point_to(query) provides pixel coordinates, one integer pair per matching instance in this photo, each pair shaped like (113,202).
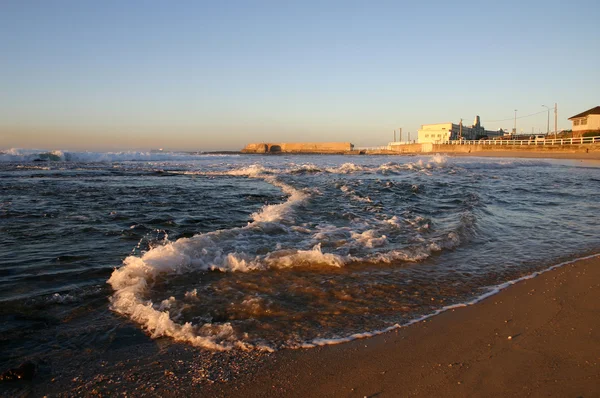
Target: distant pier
(299,147)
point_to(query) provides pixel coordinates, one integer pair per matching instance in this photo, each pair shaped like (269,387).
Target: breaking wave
(36,155)
(254,248)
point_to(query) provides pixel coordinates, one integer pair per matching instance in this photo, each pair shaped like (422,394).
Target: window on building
(584,121)
(576,122)
(439,135)
(426,135)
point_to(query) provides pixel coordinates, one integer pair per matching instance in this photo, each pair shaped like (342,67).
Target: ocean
(247,253)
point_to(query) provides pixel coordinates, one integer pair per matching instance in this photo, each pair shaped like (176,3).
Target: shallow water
(269,252)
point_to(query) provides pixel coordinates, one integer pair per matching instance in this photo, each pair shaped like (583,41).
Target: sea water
(247,252)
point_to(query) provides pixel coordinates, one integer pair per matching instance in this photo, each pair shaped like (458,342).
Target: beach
(539,337)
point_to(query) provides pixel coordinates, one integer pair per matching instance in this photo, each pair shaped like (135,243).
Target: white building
(586,121)
(437,133)
(442,132)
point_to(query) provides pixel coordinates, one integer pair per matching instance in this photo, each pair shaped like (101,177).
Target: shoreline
(540,335)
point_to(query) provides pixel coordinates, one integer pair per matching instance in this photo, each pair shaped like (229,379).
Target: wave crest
(32,155)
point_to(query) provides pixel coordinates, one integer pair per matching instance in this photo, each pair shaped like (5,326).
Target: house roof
(593,111)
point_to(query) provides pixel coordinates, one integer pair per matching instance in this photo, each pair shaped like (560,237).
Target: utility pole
(555,119)
(515,128)
(460,130)
(548,125)
(400,134)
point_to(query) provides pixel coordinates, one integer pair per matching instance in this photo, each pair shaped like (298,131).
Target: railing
(500,142)
(546,141)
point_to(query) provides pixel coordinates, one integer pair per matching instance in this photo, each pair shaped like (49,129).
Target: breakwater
(299,147)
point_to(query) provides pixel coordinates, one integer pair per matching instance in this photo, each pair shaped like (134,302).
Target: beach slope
(539,337)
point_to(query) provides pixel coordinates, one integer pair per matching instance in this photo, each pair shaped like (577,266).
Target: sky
(216,75)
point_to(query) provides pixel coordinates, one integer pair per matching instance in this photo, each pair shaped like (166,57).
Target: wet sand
(539,337)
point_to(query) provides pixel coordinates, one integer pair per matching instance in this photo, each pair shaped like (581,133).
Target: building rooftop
(593,111)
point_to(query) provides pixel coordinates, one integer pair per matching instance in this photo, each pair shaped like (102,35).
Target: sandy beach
(539,337)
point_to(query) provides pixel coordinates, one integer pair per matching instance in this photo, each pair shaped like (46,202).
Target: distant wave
(37,155)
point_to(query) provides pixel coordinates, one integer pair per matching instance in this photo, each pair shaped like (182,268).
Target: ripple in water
(351,249)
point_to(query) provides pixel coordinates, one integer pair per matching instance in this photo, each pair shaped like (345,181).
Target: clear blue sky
(108,75)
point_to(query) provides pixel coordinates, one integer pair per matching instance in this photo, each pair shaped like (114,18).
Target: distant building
(441,132)
(586,121)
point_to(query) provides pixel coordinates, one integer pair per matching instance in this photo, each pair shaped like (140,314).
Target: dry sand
(539,337)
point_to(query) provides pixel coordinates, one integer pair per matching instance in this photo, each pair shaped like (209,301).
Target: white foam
(297,258)
(370,239)
(283,211)
(406,255)
(203,252)
(395,221)
(353,195)
(62,298)
(131,282)
(346,168)
(254,170)
(391,167)
(304,168)
(439,159)
(31,167)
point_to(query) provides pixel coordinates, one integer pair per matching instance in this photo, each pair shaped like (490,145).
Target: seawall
(575,148)
(503,149)
(488,149)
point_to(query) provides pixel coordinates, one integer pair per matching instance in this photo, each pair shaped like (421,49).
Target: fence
(546,141)
(500,142)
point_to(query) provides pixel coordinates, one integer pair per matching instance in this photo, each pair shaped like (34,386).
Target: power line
(512,118)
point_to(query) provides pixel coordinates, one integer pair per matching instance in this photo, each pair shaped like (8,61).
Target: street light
(547,125)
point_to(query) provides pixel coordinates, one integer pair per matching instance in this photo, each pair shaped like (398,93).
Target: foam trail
(202,252)
(280,212)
